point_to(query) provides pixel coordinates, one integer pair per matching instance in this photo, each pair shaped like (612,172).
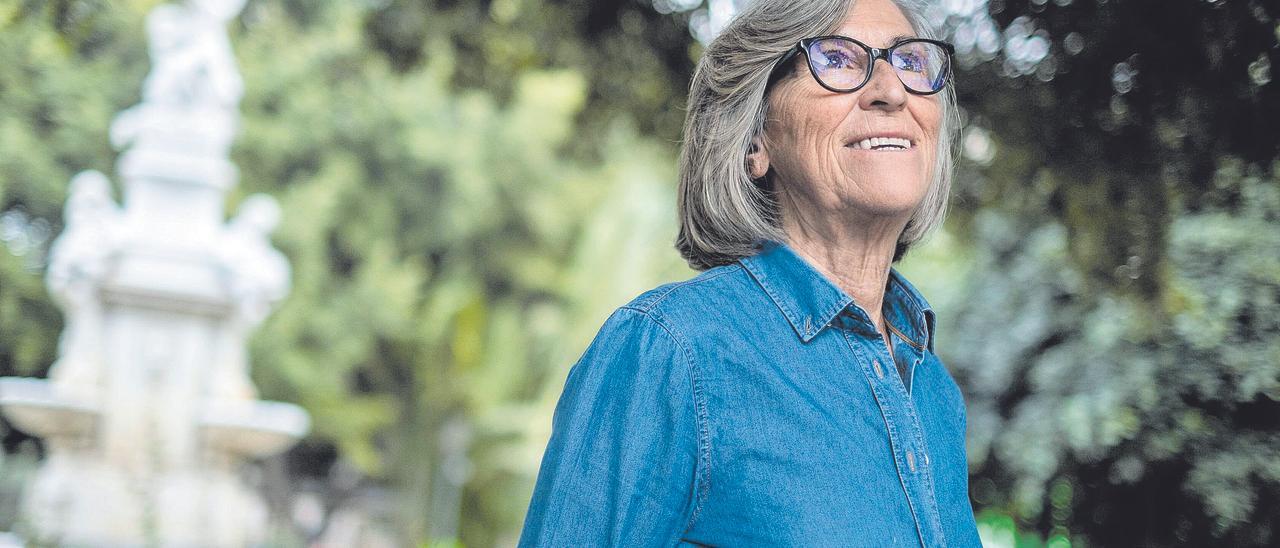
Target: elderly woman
(789,395)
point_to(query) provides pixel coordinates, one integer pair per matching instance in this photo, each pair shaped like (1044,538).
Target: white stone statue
(77,264)
(193,77)
(193,62)
(258,278)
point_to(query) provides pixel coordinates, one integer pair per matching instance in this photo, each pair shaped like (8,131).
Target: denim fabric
(756,405)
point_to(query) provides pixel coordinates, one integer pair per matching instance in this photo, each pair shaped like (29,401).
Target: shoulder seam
(702,481)
(653,301)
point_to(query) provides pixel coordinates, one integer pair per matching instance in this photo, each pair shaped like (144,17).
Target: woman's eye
(911,62)
(838,58)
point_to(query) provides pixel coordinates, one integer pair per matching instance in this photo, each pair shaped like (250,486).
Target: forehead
(879,23)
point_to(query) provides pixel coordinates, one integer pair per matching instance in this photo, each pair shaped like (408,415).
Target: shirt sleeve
(619,469)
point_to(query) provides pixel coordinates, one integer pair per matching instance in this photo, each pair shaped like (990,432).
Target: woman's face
(811,135)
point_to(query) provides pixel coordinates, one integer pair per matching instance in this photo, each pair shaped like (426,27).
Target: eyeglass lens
(844,65)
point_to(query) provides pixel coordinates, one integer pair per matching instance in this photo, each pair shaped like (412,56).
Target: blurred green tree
(1118,111)
(1130,421)
(1115,333)
(635,60)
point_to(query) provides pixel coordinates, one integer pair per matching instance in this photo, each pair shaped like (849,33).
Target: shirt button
(911,461)
(879,372)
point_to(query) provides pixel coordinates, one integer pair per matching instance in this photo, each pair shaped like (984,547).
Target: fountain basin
(252,428)
(41,408)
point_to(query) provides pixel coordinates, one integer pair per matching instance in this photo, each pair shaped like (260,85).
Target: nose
(885,91)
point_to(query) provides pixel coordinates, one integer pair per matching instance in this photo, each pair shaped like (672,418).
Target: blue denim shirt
(756,405)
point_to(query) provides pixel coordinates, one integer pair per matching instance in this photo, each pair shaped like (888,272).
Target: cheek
(929,116)
(803,140)
(822,152)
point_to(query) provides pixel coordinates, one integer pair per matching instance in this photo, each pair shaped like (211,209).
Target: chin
(890,198)
(882,207)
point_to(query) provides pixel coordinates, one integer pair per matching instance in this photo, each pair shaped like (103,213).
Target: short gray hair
(724,214)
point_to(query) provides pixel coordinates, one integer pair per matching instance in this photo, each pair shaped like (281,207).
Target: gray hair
(724,213)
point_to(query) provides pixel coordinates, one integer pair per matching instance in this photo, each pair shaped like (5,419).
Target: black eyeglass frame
(802,46)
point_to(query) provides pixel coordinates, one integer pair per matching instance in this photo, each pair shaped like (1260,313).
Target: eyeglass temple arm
(779,68)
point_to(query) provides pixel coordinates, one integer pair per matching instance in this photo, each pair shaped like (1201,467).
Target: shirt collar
(810,301)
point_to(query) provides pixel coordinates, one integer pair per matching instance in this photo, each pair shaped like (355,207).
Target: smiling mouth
(882,144)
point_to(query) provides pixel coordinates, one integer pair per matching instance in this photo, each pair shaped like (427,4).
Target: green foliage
(1128,115)
(448,257)
(1110,311)
(56,99)
(637,61)
(999,530)
(1167,406)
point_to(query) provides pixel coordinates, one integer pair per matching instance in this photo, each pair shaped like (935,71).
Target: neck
(855,256)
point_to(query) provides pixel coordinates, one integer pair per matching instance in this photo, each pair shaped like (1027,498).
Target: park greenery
(470,187)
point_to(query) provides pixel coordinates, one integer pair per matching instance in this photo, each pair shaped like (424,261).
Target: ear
(757,158)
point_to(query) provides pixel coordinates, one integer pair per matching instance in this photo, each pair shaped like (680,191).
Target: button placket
(904,436)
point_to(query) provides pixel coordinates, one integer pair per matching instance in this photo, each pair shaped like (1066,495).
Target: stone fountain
(148,413)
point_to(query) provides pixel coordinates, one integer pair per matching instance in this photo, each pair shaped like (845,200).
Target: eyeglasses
(842,64)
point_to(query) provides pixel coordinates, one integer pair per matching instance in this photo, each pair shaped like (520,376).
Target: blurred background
(469,187)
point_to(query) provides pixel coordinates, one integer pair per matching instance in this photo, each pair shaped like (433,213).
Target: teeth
(868,144)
